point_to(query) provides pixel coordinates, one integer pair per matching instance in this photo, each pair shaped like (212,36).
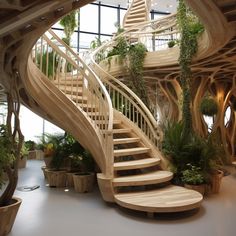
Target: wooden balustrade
(123,98)
(71,75)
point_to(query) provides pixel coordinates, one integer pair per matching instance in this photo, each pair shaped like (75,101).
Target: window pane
(89,18)
(85,40)
(108,20)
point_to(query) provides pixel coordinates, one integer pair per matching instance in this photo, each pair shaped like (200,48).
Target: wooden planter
(8,215)
(83,182)
(48,160)
(22,162)
(216,181)
(70,180)
(56,178)
(43,168)
(199,188)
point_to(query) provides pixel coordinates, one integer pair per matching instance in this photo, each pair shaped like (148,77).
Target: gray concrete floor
(54,212)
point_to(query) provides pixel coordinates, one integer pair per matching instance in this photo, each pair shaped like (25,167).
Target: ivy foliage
(132,56)
(190,28)
(69,23)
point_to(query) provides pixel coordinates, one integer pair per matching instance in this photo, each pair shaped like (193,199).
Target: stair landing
(167,199)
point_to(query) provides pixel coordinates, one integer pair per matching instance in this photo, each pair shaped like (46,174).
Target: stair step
(78,99)
(136,7)
(121,131)
(71,90)
(130,151)
(125,140)
(167,199)
(135,20)
(115,122)
(155,177)
(70,82)
(136,164)
(87,107)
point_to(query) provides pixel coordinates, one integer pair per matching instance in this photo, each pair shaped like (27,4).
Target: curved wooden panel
(63,112)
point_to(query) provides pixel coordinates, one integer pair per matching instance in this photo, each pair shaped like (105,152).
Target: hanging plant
(69,23)
(136,55)
(209,106)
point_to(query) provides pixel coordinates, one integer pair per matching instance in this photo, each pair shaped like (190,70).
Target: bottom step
(167,199)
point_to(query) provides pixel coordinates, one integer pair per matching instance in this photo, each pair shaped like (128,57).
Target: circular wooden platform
(168,199)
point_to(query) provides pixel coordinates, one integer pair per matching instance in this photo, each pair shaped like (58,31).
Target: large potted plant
(84,180)
(11,140)
(193,178)
(56,174)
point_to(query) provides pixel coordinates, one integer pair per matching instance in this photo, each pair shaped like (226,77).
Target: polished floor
(56,212)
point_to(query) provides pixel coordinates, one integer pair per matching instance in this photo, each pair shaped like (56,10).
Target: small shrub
(209,106)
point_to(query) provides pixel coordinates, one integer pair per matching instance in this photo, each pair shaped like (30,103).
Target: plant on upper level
(136,55)
(132,56)
(69,23)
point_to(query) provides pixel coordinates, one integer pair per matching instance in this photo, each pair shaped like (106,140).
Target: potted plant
(23,156)
(56,174)
(84,180)
(182,150)
(193,178)
(11,140)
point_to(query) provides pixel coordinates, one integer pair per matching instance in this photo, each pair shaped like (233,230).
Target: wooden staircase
(138,182)
(137,13)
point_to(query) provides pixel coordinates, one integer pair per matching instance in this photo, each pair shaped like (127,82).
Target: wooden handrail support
(72,58)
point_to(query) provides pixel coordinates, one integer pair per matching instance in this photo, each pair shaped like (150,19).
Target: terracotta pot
(22,162)
(83,182)
(8,215)
(199,188)
(216,181)
(56,178)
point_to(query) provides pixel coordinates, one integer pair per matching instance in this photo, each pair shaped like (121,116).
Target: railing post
(109,154)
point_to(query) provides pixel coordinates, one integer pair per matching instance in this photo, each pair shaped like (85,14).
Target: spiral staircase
(103,114)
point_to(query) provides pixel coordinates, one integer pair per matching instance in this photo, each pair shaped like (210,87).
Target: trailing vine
(190,27)
(136,55)
(69,23)
(132,57)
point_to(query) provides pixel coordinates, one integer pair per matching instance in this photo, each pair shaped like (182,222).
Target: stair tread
(130,151)
(125,140)
(154,177)
(141,163)
(115,122)
(118,131)
(167,199)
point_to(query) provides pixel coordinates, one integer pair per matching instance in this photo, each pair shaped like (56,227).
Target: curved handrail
(124,99)
(61,64)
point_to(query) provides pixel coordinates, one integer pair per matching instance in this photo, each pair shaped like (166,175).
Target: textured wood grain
(154,177)
(167,199)
(128,165)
